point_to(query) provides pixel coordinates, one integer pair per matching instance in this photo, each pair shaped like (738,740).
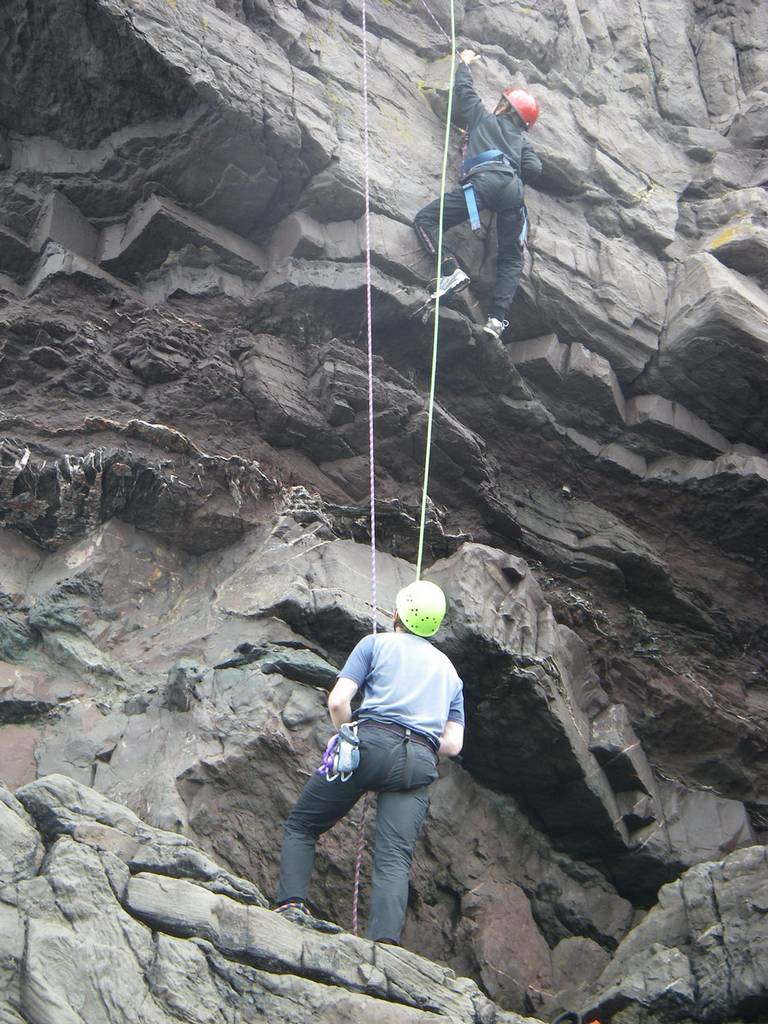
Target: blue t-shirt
(404,679)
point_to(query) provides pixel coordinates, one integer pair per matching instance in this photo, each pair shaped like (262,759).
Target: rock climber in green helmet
(412,710)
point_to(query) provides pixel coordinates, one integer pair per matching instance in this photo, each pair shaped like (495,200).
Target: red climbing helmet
(526,105)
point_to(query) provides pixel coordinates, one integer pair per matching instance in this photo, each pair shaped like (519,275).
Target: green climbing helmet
(421,607)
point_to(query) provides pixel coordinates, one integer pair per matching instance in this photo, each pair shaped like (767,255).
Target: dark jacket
(487,131)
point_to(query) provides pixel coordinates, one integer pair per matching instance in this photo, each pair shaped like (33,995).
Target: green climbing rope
(435,333)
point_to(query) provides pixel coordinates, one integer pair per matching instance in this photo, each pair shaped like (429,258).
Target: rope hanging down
(435,333)
(430,412)
(440,27)
(359,861)
(371,438)
(369,312)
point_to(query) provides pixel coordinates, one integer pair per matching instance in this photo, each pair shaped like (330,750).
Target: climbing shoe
(298,912)
(451,283)
(495,327)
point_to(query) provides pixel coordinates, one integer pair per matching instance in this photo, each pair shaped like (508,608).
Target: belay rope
(433,373)
(371,444)
(436,329)
(359,861)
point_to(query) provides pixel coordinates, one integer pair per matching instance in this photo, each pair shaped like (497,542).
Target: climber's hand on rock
(468,56)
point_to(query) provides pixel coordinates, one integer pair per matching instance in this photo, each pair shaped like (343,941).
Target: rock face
(700,954)
(184,486)
(161,704)
(124,922)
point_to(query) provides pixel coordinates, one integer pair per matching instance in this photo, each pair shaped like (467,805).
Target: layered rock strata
(191,687)
(108,919)
(121,922)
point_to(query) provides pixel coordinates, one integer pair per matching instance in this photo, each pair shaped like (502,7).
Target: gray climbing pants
(399,768)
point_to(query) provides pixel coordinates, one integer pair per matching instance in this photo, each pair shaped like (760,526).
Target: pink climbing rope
(426,8)
(369,310)
(371,446)
(359,861)
(371,439)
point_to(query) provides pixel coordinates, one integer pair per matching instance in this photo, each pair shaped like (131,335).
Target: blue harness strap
(472,210)
(522,238)
(488,156)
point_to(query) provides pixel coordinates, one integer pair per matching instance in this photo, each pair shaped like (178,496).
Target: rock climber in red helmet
(499,161)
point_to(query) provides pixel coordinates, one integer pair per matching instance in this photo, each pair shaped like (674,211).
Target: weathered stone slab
(19,764)
(678,92)
(158,228)
(61,222)
(743,246)
(71,948)
(592,382)
(394,248)
(750,126)
(714,354)
(637,808)
(663,424)
(304,238)
(511,616)
(56,262)
(743,465)
(702,825)
(395,251)
(83,954)
(21,850)
(542,360)
(576,963)
(10,287)
(61,806)
(27,693)
(263,939)
(678,470)
(17,257)
(600,290)
(734,229)
(623,457)
(275,380)
(617,748)
(493,909)
(700,953)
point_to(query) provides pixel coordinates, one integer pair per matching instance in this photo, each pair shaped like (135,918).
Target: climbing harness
(342,754)
(488,156)
(472,208)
